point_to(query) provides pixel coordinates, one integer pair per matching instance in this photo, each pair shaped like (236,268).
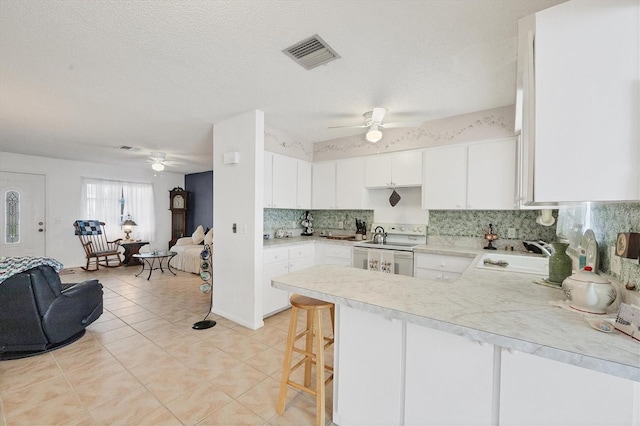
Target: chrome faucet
(543,247)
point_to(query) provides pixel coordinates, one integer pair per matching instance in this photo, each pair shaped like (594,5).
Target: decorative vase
(560,264)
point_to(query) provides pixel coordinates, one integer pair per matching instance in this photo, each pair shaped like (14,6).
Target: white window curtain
(101,200)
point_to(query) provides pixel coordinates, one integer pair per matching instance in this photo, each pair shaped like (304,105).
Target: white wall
(63,190)
(408,210)
(238,193)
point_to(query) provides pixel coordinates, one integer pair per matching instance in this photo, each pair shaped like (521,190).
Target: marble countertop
(279,242)
(497,307)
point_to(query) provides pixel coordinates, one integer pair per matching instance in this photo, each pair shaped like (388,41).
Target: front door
(22,214)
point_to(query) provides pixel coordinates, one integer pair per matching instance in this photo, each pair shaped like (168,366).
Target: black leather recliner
(37,315)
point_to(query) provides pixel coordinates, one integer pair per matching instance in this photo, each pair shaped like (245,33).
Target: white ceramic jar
(589,292)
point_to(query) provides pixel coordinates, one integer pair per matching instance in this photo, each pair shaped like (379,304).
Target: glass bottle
(560,264)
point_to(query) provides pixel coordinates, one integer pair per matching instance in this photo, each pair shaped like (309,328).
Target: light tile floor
(142,363)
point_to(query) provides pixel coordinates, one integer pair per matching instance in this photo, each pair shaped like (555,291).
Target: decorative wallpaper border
(281,143)
(483,125)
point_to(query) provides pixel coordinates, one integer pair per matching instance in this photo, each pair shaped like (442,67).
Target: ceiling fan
(373,121)
(158,161)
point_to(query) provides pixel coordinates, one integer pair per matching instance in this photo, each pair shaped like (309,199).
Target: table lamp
(128,223)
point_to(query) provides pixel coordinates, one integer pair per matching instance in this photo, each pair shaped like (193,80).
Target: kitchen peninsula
(488,348)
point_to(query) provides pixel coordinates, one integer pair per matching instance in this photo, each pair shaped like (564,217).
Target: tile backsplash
(474,223)
(606,221)
(322,219)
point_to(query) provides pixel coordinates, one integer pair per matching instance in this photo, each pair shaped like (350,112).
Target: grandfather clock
(178,207)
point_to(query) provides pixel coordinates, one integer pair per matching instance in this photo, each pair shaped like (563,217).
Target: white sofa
(189,249)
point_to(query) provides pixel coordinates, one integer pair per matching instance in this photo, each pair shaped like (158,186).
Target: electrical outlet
(341,225)
(511,233)
(294,224)
(614,262)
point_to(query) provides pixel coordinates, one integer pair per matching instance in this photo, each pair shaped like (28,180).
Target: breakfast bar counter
(503,313)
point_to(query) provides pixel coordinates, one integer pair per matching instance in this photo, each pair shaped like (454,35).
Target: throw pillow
(198,235)
(208,239)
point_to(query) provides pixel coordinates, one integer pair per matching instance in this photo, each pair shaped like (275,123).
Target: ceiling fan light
(158,167)
(373,135)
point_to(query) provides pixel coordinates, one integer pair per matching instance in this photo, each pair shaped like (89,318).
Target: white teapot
(589,292)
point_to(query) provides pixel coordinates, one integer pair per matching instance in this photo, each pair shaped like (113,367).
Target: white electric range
(397,254)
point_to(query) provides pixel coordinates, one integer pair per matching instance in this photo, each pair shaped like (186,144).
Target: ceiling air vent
(312,52)
(129,148)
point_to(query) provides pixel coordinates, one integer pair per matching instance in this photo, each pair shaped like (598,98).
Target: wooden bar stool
(313,333)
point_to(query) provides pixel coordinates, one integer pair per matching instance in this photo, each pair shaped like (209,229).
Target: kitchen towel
(381,261)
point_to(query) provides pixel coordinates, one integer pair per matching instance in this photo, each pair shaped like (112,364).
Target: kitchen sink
(534,265)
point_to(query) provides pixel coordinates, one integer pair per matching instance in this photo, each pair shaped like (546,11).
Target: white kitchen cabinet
(303,199)
(285,181)
(267,179)
(540,391)
(445,178)
(281,261)
(449,379)
(476,176)
(397,169)
(339,184)
(439,266)
(324,185)
(333,254)
(491,175)
(577,104)
(363,392)
(350,191)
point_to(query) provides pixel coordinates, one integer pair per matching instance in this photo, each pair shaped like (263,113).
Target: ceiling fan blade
(377,115)
(347,127)
(402,124)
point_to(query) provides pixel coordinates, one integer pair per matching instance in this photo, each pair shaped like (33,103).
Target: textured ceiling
(79,78)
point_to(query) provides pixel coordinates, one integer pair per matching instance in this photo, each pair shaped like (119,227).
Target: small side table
(149,261)
(129,250)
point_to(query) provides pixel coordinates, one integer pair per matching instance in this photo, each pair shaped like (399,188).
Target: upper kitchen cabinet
(578,102)
(396,169)
(303,200)
(267,179)
(339,184)
(476,176)
(287,182)
(350,192)
(323,185)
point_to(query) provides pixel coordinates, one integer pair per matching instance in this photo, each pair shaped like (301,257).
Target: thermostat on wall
(231,157)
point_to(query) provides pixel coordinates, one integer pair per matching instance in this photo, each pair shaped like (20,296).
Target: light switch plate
(615,261)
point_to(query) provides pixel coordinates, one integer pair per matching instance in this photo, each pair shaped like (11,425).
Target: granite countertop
(497,307)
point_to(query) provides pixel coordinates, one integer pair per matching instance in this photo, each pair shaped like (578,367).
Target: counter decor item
(589,292)
(307,223)
(628,320)
(491,237)
(560,264)
(628,245)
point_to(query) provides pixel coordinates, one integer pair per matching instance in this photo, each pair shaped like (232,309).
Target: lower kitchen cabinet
(280,261)
(439,266)
(368,366)
(388,371)
(449,379)
(540,391)
(333,254)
